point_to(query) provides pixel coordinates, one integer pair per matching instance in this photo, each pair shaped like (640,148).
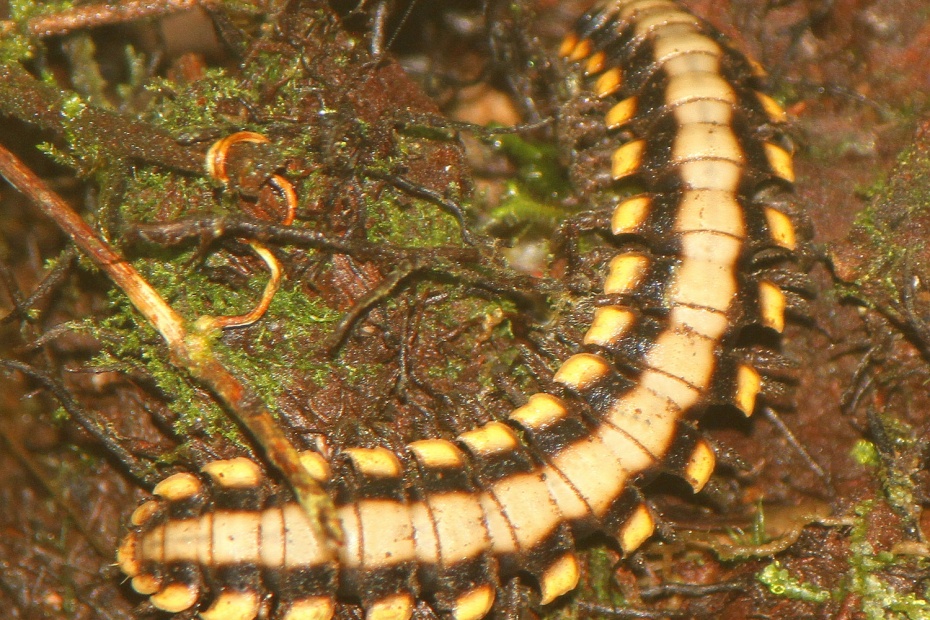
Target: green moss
(780,583)
(880,600)
(601,570)
(539,171)
(518,207)
(18,44)
(15,47)
(398,220)
(58,155)
(22,10)
(193,107)
(865,453)
(534,197)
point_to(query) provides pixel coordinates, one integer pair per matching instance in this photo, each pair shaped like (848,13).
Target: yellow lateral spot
(609,82)
(316,465)
(233,606)
(146,584)
(541,411)
(394,607)
(581,370)
(312,608)
(775,112)
(596,63)
(238,473)
(748,384)
(126,556)
(375,462)
(772,305)
(436,453)
(143,513)
(175,598)
(621,114)
(559,578)
(491,438)
(780,228)
(474,604)
(581,50)
(779,161)
(626,270)
(626,159)
(179,486)
(609,324)
(757,69)
(630,215)
(700,465)
(568,45)
(636,530)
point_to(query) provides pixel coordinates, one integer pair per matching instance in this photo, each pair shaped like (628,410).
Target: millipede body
(704,243)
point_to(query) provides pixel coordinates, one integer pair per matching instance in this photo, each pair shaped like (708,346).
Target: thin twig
(94,15)
(77,412)
(48,285)
(189,350)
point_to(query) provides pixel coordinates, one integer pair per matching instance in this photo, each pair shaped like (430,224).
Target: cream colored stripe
(528,507)
(649,23)
(459,522)
(698,85)
(706,276)
(706,141)
(710,210)
(594,471)
(648,418)
(630,11)
(674,389)
(692,62)
(301,547)
(235,537)
(685,355)
(681,39)
(709,323)
(716,174)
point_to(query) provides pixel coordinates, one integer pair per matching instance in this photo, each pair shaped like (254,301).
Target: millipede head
(126,555)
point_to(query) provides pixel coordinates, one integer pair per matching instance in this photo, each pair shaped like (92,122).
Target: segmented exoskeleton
(447,520)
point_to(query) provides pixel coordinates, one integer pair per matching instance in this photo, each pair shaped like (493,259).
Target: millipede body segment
(702,244)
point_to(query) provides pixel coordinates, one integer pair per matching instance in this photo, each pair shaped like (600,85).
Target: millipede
(705,246)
